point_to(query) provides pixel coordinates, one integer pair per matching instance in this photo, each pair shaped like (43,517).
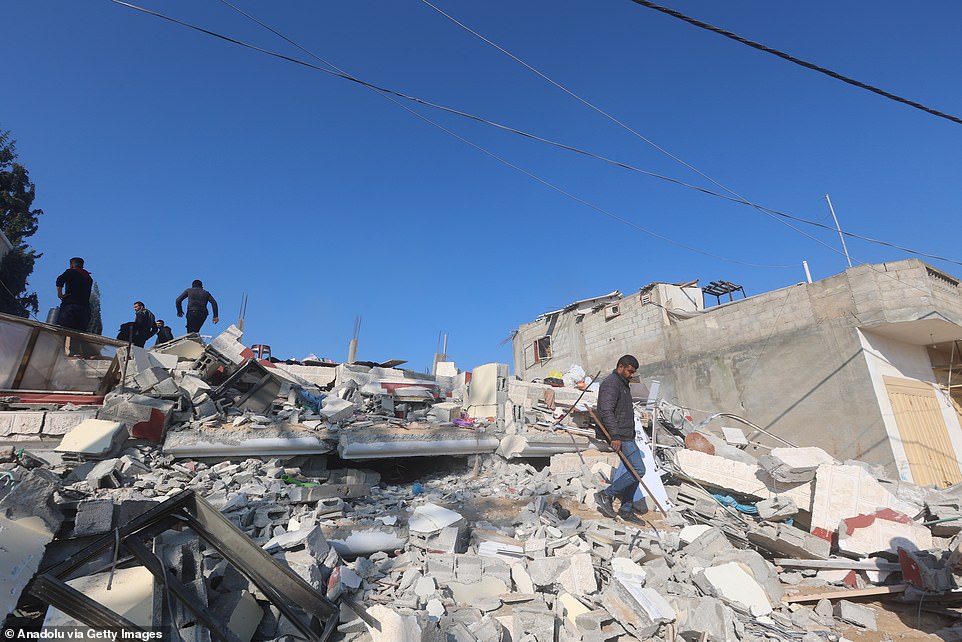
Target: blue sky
(162,155)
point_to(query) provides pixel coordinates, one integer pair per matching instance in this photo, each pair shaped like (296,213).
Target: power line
(389,93)
(797,61)
(488,152)
(737,197)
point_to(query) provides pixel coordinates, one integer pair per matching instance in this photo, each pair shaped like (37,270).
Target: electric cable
(486,151)
(738,198)
(797,61)
(386,92)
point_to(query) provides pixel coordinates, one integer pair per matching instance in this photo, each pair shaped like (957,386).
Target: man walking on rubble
(617,414)
(197,300)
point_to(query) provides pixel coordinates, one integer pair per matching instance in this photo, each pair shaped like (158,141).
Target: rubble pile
(222,497)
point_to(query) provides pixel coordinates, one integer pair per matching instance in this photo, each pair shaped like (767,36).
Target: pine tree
(17,222)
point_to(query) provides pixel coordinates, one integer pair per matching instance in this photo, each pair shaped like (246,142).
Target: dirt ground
(897,621)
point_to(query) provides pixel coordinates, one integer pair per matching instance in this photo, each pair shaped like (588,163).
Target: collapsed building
(864,364)
(197,491)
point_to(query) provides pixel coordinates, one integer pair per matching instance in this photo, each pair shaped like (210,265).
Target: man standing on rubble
(617,414)
(73,290)
(197,300)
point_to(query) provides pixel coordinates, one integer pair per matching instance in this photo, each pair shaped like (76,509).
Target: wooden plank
(27,353)
(845,594)
(840,564)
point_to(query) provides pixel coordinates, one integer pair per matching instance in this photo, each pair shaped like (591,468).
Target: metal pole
(808,275)
(839,228)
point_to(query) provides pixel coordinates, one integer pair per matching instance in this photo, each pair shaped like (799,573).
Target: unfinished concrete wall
(793,360)
(596,338)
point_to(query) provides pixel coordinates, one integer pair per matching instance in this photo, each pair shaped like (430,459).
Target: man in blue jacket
(617,414)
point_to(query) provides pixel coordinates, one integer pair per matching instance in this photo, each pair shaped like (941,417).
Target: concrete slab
(93,437)
(571,607)
(643,609)
(845,491)
(734,585)
(884,530)
(740,477)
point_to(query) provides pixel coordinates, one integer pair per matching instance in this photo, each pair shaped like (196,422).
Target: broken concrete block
(194,386)
(394,627)
(240,612)
(227,344)
(33,496)
(534,623)
(94,517)
(787,541)
(925,570)
(487,588)
(703,618)
(734,585)
(794,465)
(856,614)
(579,578)
(94,438)
(881,531)
(571,607)
(106,474)
(445,412)
(776,509)
(336,409)
(640,608)
(546,571)
(145,417)
(707,543)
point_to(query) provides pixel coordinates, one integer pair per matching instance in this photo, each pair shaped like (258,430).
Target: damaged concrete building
(197,492)
(860,364)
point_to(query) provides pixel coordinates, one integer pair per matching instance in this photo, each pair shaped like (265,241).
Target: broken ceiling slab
(739,477)
(24,541)
(843,491)
(377,442)
(94,438)
(541,444)
(882,531)
(227,440)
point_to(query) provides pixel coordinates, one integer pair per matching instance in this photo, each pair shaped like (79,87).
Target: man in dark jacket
(73,290)
(145,325)
(197,300)
(617,414)
(164,334)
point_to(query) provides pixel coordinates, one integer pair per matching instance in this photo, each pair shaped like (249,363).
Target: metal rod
(839,229)
(627,464)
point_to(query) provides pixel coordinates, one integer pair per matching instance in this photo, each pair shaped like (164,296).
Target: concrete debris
(482,538)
